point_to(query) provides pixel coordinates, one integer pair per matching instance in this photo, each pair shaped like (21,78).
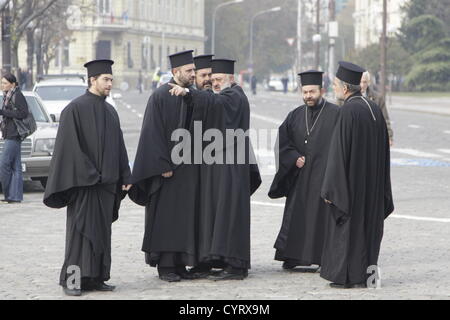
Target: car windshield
(36,109)
(60,93)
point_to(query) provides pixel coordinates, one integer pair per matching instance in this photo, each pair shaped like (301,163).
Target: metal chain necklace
(308,132)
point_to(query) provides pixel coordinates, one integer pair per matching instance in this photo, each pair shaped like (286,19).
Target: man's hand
(328,201)
(168,175)
(301,162)
(126,187)
(391,142)
(177,90)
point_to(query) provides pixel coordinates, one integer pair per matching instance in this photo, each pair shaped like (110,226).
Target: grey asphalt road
(415,254)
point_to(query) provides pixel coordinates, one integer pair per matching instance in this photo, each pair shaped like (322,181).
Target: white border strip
(280,205)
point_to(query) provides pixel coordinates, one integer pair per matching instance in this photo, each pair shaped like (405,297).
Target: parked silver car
(37,149)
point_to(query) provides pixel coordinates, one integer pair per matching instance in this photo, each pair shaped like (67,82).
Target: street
(414,258)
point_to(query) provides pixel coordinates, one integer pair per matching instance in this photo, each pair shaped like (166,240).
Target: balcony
(111,23)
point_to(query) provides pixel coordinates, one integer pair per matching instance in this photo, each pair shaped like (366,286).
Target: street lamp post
(383,55)
(251,34)
(6,34)
(213,36)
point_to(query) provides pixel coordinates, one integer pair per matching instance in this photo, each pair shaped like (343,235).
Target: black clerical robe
(302,232)
(357,182)
(87,171)
(224,219)
(171,203)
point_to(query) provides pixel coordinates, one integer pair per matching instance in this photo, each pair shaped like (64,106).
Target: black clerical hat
(203,61)
(98,67)
(181,59)
(223,66)
(311,77)
(350,73)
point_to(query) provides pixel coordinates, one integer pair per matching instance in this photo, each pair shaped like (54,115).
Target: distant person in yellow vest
(156,78)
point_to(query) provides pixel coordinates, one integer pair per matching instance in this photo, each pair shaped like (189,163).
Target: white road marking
(396,216)
(414,126)
(128,106)
(444,150)
(447,132)
(267,119)
(416,153)
(140,115)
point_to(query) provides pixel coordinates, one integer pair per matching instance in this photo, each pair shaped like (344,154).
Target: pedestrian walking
(89,174)
(14,108)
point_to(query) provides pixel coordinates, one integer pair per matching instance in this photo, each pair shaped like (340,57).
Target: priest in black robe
(203,71)
(357,185)
(228,181)
(168,188)
(302,153)
(89,174)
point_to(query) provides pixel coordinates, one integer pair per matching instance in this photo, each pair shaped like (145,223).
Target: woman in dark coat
(14,107)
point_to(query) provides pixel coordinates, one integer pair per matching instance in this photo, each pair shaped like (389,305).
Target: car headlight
(44,147)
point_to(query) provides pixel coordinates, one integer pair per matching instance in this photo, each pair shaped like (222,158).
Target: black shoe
(101,286)
(307,269)
(200,272)
(289,265)
(170,277)
(184,274)
(198,275)
(72,292)
(348,286)
(226,275)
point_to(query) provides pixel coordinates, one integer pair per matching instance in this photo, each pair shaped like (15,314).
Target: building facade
(368,18)
(137,34)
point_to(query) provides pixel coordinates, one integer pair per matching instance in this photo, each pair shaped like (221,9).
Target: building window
(152,57)
(63,52)
(104,6)
(144,57)
(66,56)
(129,56)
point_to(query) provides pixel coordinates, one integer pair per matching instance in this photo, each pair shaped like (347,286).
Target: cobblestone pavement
(414,259)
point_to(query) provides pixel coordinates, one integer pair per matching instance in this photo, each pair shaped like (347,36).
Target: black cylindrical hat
(223,66)
(350,73)
(98,67)
(181,59)
(311,77)
(203,61)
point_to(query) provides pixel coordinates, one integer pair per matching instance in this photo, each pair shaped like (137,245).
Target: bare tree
(25,15)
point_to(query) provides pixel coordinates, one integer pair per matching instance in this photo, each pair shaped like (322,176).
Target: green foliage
(398,59)
(431,72)
(421,32)
(424,35)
